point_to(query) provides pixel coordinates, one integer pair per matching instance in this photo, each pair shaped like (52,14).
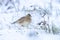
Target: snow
(13,35)
(10,31)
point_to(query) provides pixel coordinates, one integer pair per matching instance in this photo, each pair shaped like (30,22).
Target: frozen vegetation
(45,15)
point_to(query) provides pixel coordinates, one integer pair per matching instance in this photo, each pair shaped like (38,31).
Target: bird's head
(28,15)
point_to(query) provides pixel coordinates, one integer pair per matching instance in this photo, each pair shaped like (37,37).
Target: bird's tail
(14,22)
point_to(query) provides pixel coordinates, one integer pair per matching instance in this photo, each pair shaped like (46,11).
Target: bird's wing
(21,20)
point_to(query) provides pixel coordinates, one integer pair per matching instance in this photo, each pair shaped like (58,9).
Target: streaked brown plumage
(24,21)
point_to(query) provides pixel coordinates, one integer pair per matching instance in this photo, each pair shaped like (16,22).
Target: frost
(45,15)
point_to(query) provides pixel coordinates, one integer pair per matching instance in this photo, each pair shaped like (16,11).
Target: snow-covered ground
(10,31)
(27,35)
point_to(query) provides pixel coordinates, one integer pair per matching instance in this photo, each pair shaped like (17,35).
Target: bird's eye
(29,14)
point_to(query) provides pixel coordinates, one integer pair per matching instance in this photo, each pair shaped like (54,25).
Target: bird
(24,21)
